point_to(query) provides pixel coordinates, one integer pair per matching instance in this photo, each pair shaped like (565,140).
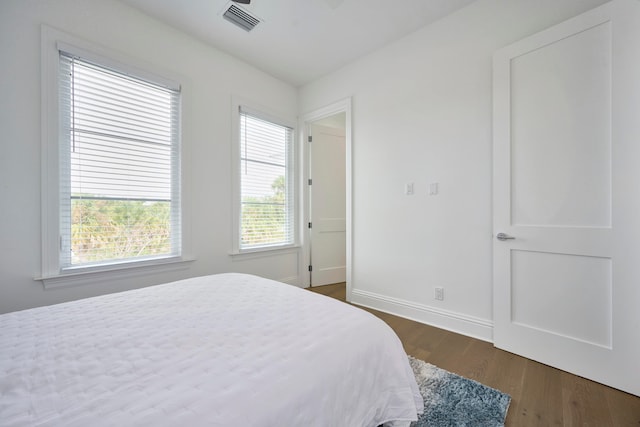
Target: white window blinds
(119,166)
(267,183)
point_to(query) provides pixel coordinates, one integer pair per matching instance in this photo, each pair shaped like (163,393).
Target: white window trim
(275,117)
(51,275)
(108,272)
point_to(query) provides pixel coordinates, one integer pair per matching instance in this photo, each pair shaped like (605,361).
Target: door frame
(342,106)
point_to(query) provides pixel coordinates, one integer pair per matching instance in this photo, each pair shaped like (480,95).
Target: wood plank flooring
(541,395)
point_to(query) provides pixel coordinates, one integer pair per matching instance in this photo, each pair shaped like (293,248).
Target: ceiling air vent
(240,17)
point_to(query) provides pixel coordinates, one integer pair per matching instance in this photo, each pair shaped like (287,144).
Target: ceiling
(301,40)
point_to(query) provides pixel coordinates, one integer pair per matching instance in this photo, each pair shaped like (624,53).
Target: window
(119,189)
(267,205)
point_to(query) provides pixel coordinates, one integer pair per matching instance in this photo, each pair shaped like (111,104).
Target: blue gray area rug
(451,400)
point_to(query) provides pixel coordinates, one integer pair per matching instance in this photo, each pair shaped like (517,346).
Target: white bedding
(222,350)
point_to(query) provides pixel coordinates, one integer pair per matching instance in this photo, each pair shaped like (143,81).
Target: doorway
(327,201)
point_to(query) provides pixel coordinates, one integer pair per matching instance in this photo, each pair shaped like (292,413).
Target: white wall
(210,78)
(422,114)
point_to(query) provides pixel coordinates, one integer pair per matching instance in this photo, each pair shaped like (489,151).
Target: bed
(221,350)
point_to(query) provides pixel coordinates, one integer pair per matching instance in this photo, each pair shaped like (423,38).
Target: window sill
(265,252)
(103,273)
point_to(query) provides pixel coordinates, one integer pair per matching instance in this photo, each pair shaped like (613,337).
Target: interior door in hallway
(328,204)
(565,215)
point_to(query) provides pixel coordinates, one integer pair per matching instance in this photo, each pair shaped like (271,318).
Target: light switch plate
(433,189)
(408,189)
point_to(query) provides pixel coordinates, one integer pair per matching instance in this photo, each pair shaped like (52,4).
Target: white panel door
(562,274)
(328,205)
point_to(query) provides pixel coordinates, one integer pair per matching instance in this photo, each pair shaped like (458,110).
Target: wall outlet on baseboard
(439,294)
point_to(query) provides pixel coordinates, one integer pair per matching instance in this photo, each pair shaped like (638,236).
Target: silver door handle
(502,237)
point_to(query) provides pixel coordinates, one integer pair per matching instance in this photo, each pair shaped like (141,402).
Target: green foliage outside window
(264,218)
(103,230)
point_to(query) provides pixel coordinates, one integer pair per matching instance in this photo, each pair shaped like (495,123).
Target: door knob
(502,237)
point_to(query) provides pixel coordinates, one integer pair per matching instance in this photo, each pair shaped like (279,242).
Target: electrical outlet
(439,294)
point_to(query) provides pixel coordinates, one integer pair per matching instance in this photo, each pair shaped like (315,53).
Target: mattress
(220,350)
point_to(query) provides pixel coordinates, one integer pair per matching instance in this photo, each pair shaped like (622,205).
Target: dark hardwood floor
(541,395)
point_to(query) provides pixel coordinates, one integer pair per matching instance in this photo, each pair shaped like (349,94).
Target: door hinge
(309,225)
(310,268)
(310,138)
(310,181)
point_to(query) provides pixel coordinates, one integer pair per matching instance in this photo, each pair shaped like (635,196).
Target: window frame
(52,273)
(269,115)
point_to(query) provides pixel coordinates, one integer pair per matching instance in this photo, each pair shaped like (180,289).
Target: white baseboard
(451,321)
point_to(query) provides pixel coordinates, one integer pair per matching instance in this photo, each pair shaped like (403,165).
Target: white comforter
(222,350)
